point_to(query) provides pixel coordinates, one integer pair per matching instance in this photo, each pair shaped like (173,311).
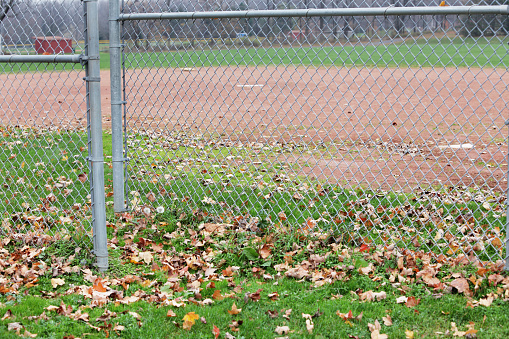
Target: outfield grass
(345,240)
(457,52)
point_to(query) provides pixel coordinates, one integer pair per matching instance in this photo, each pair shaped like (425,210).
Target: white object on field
(460,146)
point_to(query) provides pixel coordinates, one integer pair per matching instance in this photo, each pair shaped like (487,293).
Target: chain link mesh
(369,130)
(43,125)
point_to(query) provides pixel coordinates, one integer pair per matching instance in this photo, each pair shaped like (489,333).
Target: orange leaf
(215,331)
(98,286)
(412,302)
(217,295)
(364,248)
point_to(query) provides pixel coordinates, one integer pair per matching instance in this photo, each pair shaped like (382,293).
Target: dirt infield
(383,127)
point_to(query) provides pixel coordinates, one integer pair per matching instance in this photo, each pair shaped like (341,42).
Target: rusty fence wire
(376,127)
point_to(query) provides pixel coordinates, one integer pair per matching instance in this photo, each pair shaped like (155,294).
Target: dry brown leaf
(387,320)
(456,332)
(377,335)
(282,330)
(265,251)
(309,322)
(55,282)
(486,302)
(7,315)
(147,257)
(234,310)
(460,284)
(412,302)
(217,295)
(171,314)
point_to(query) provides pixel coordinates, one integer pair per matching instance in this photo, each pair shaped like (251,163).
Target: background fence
(367,126)
(50,125)
(380,125)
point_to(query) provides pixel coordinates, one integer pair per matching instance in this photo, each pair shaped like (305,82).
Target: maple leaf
(387,320)
(282,330)
(460,284)
(7,315)
(412,302)
(147,257)
(256,295)
(486,302)
(217,295)
(98,286)
(215,331)
(234,310)
(309,322)
(189,320)
(55,282)
(265,251)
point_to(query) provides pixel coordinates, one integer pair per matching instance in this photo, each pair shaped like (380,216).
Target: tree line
(21,20)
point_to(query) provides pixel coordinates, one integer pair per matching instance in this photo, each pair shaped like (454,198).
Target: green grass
(209,178)
(420,52)
(433,314)
(457,53)
(43,185)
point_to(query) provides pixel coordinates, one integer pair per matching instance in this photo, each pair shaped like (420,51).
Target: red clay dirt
(382,127)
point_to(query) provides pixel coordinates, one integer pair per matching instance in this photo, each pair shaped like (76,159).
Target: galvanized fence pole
(506,268)
(116,108)
(96,153)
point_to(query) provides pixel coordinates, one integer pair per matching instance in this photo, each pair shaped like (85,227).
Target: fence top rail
(314,12)
(20,58)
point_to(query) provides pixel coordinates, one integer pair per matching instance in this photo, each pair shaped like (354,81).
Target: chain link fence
(45,122)
(368,126)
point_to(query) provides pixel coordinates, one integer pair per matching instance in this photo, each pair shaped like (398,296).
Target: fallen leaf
(215,331)
(265,251)
(377,335)
(282,330)
(147,257)
(456,332)
(309,322)
(171,314)
(412,302)
(217,295)
(387,320)
(401,300)
(234,310)
(409,334)
(460,284)
(55,282)
(189,320)
(486,302)
(7,315)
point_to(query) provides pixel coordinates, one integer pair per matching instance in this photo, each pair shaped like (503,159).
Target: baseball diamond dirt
(383,127)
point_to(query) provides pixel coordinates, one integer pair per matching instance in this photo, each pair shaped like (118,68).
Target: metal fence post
(506,268)
(116,108)
(96,144)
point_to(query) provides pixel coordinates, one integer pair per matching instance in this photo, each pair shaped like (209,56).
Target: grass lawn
(457,52)
(307,265)
(421,53)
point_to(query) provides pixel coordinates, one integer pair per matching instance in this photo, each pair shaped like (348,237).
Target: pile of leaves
(172,261)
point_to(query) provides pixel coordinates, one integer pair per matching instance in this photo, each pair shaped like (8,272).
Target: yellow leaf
(191,317)
(234,310)
(409,334)
(187,325)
